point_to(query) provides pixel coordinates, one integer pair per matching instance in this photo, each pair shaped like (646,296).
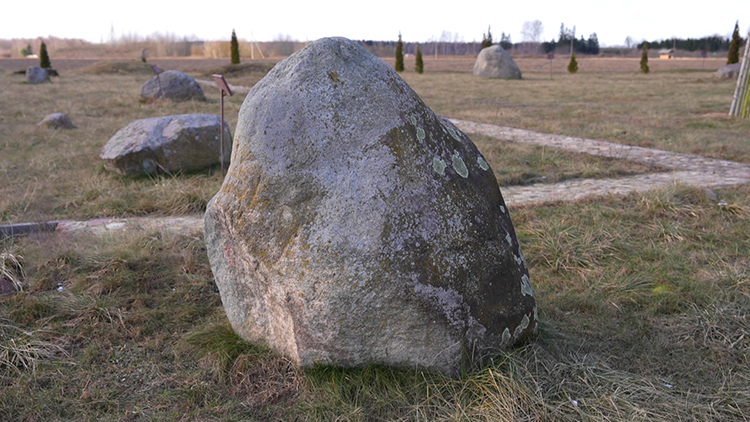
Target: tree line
(708,44)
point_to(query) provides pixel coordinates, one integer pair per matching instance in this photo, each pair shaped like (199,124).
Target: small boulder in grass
(173,85)
(167,144)
(730,71)
(57,121)
(36,75)
(495,62)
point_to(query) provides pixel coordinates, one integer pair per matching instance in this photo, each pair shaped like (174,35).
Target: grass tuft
(22,350)
(11,269)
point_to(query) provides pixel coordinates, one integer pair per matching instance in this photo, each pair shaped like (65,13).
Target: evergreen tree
(418,62)
(487,38)
(44,57)
(734,47)
(505,41)
(644,58)
(399,54)
(573,65)
(592,45)
(235,49)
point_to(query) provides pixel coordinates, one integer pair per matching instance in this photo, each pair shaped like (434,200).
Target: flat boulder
(57,121)
(355,226)
(175,85)
(730,71)
(36,75)
(495,62)
(167,144)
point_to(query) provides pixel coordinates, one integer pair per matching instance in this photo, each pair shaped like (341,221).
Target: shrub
(27,51)
(235,49)
(573,65)
(644,58)
(419,62)
(44,62)
(734,46)
(399,55)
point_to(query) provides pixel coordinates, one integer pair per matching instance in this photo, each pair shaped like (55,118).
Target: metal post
(223,86)
(221,137)
(158,78)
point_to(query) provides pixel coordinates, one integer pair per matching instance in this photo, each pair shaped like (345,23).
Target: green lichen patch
(420,134)
(526,288)
(482,163)
(459,165)
(439,166)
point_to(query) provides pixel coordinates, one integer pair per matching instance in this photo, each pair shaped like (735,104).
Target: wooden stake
(741,100)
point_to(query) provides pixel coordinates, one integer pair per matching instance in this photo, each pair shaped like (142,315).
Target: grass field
(644,300)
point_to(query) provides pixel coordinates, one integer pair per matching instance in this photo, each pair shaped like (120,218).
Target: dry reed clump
(22,350)
(11,269)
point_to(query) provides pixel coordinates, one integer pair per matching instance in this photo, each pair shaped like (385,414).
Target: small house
(666,53)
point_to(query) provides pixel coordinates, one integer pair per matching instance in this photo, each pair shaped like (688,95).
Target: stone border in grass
(687,169)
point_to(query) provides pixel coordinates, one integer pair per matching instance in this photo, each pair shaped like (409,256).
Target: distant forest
(707,44)
(173,46)
(582,45)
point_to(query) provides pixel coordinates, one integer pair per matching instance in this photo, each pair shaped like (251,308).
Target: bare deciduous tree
(531,36)
(532,31)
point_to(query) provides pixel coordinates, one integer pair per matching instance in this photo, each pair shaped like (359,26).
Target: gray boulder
(175,85)
(495,62)
(355,226)
(57,121)
(36,74)
(730,71)
(167,144)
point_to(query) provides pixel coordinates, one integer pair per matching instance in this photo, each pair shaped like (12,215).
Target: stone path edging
(687,169)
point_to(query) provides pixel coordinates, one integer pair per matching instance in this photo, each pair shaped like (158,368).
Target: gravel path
(686,169)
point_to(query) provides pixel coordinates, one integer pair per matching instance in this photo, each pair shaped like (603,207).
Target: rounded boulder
(173,85)
(355,226)
(495,62)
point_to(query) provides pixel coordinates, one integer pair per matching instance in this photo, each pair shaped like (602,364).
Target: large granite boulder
(167,144)
(175,85)
(495,62)
(355,226)
(730,71)
(36,75)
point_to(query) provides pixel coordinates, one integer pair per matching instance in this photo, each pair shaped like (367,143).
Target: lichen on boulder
(355,226)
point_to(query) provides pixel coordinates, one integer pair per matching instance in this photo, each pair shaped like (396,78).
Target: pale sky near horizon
(381,20)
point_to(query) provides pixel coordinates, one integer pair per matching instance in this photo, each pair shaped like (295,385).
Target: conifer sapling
(644,58)
(399,55)
(235,47)
(418,61)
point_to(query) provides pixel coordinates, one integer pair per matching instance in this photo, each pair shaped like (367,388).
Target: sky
(381,20)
